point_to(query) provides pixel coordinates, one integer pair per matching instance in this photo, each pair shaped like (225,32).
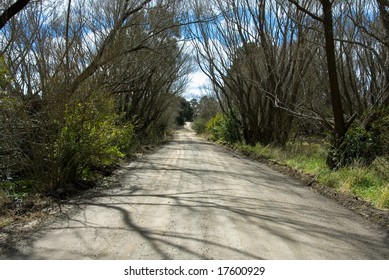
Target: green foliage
(18,189)
(90,137)
(4,73)
(54,146)
(364,142)
(199,125)
(368,182)
(204,110)
(155,134)
(360,180)
(224,128)
(185,113)
(379,128)
(232,128)
(358,143)
(215,127)
(14,134)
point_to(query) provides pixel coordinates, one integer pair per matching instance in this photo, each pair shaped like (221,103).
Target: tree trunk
(383,6)
(336,100)
(12,11)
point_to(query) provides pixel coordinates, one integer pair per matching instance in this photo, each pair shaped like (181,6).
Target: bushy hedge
(225,128)
(199,125)
(365,140)
(53,145)
(90,137)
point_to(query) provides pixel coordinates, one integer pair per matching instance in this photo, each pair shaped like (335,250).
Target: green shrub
(232,132)
(358,144)
(90,137)
(199,125)
(224,128)
(364,141)
(4,74)
(379,128)
(367,182)
(215,127)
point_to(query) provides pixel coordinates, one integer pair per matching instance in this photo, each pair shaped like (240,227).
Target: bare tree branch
(12,11)
(96,63)
(301,8)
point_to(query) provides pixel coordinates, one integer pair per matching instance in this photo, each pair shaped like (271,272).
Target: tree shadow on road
(293,224)
(243,209)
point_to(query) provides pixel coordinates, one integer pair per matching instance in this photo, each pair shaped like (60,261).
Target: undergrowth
(370,183)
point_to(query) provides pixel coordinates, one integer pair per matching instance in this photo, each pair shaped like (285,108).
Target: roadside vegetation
(84,85)
(304,83)
(369,182)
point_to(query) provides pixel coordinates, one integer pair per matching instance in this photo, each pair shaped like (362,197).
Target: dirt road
(195,200)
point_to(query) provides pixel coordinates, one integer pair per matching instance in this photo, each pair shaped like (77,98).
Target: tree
(147,83)
(185,113)
(340,126)
(205,109)
(11,11)
(257,61)
(383,6)
(346,90)
(265,60)
(85,84)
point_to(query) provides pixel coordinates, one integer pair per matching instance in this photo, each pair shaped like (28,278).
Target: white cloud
(197,85)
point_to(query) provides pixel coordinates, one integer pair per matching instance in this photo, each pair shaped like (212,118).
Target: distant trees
(207,107)
(204,110)
(185,113)
(279,64)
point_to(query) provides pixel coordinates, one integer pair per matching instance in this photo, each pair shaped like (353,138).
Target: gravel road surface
(195,200)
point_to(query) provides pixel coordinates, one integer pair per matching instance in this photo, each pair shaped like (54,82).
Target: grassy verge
(369,183)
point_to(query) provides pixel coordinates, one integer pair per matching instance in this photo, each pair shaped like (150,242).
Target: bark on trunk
(336,99)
